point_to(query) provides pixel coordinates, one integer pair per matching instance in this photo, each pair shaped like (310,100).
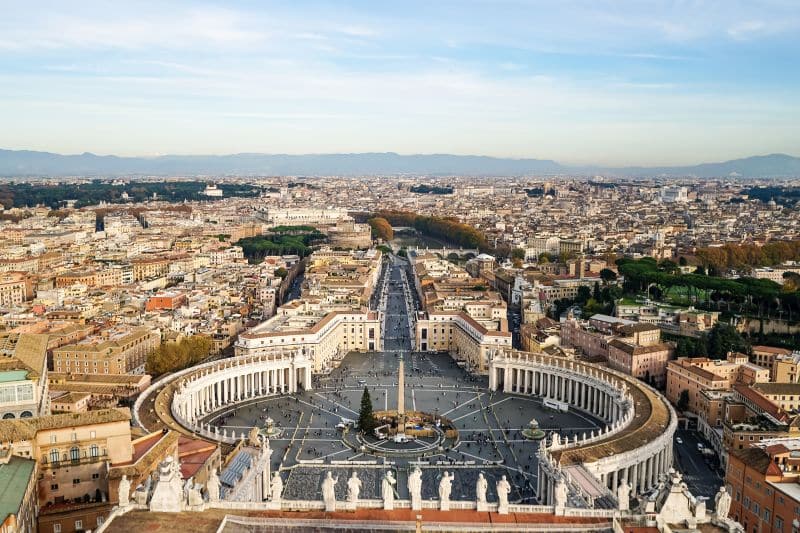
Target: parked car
(678,440)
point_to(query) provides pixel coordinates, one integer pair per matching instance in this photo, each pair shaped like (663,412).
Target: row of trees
(54,195)
(746,292)
(174,356)
(447,229)
(381,229)
(431,189)
(746,256)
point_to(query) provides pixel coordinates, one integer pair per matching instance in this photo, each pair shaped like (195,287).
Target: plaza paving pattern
(489,425)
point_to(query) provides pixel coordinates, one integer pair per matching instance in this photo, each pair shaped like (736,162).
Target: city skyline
(618,84)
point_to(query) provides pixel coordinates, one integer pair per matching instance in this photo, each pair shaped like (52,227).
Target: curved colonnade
(197,392)
(635,446)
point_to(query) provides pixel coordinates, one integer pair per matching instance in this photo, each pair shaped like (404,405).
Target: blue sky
(620,82)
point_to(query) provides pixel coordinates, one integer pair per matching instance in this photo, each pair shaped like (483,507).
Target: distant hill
(45,163)
(30,163)
(767,166)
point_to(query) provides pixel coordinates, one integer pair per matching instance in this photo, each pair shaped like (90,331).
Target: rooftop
(14,478)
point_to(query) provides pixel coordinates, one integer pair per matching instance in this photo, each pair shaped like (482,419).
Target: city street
(699,471)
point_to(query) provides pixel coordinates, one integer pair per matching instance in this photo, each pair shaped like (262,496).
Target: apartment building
(459,313)
(15,288)
(639,352)
(116,351)
(766,355)
(764,482)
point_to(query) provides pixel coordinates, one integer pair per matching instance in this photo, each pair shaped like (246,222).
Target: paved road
(699,473)
(397,335)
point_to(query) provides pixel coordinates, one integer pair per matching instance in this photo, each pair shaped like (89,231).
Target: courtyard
(489,428)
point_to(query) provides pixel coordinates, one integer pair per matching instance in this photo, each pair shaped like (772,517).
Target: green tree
(281,272)
(584,293)
(683,400)
(596,292)
(518,253)
(608,275)
(366,420)
(724,338)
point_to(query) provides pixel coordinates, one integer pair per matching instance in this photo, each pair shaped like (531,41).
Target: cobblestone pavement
(489,426)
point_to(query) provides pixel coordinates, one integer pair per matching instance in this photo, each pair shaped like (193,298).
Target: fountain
(533,432)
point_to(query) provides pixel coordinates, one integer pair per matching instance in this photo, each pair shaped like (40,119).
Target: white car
(678,440)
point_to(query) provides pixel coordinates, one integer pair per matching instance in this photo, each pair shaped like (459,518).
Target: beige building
(639,352)
(325,335)
(73,451)
(15,289)
(110,352)
(696,374)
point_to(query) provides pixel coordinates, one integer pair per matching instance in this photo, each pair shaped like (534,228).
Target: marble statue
(445,486)
(503,490)
(187,486)
(723,503)
(168,493)
(560,496)
(353,488)
(276,487)
(124,491)
(480,488)
(253,439)
(195,497)
(329,491)
(624,495)
(387,490)
(212,486)
(415,488)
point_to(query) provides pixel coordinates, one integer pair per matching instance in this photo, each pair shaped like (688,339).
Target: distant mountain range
(31,163)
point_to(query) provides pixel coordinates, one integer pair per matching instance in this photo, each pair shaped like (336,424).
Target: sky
(610,82)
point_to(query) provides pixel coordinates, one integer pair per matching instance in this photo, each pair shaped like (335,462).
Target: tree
(584,293)
(281,272)
(596,292)
(683,400)
(608,275)
(518,253)
(381,229)
(682,261)
(174,356)
(366,420)
(724,338)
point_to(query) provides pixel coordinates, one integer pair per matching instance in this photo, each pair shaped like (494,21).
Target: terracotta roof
(26,428)
(755,458)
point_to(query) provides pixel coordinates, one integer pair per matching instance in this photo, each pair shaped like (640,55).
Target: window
(52,439)
(78,525)
(53,456)
(74,453)
(94,451)
(54,486)
(767,516)
(56,528)
(95,476)
(779,523)
(76,481)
